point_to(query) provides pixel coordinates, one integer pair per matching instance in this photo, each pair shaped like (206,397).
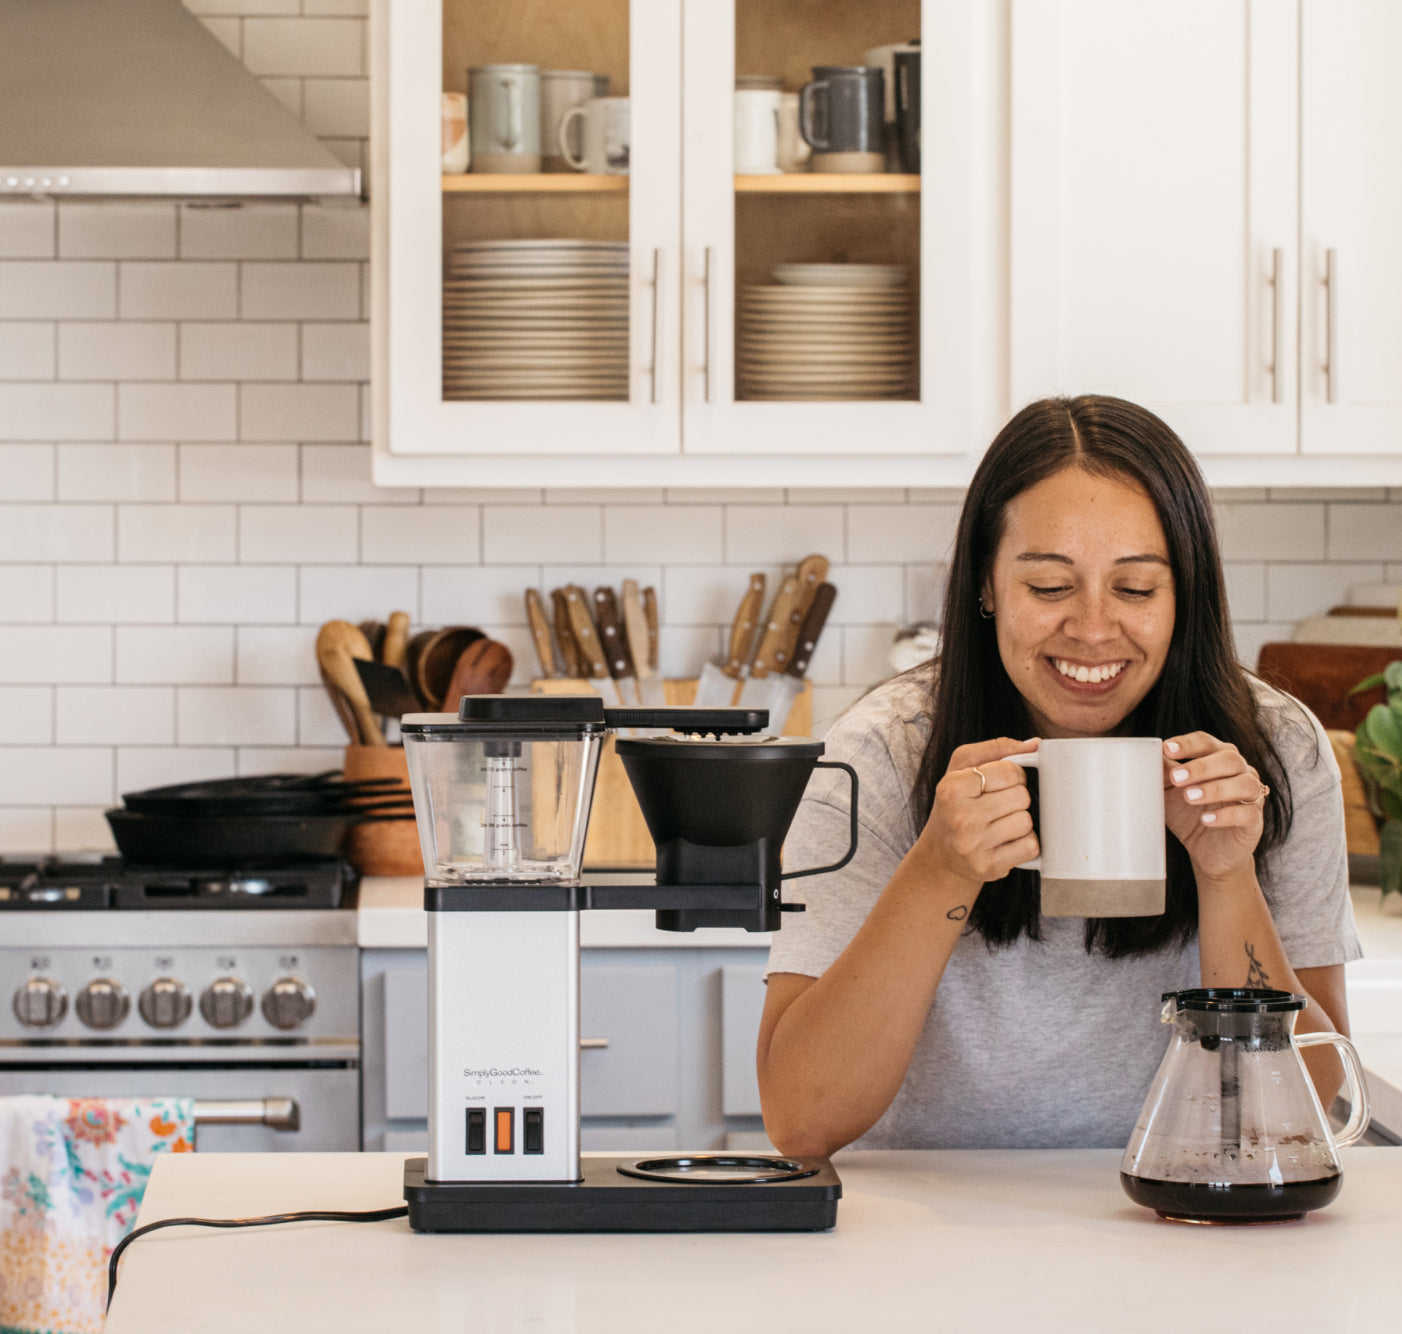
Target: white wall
(185,495)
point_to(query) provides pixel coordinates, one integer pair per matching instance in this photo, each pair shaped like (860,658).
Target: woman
(922,1001)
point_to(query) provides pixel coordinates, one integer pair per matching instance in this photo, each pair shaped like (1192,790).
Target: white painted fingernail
(1209,817)
(1174,748)
(1193,793)
(1180,775)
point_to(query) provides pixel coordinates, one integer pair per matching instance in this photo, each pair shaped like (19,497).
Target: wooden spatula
(338,644)
(482,668)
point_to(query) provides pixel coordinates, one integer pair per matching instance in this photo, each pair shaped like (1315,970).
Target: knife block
(618,834)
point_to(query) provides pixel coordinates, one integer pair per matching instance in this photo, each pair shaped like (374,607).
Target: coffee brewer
(502,793)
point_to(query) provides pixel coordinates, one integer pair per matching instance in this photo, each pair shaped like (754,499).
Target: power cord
(307,1215)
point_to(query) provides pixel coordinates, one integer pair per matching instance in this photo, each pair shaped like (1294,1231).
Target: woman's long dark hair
(1201,688)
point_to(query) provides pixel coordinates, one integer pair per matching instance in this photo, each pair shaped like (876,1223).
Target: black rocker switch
(533,1130)
(477,1130)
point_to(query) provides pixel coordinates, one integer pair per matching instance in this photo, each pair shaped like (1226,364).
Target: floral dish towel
(72,1173)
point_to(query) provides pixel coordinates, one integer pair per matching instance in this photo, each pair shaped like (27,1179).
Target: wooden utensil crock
(383,847)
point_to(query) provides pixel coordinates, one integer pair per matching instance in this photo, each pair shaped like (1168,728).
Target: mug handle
(1359,1110)
(1028,762)
(511,136)
(805,115)
(565,122)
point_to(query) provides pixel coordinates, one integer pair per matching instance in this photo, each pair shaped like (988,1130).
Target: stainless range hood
(137,97)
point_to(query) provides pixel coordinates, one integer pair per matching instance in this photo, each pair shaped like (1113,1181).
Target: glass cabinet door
(826,285)
(526,305)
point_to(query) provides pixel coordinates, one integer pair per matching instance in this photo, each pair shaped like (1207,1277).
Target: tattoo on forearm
(1256,976)
(957,914)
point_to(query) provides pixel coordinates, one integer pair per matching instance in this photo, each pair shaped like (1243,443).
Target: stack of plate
(827,331)
(536,320)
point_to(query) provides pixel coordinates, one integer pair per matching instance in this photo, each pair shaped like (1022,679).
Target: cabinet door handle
(1331,326)
(1277,334)
(710,320)
(657,325)
(593,1044)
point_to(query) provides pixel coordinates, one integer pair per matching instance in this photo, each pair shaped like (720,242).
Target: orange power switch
(506,1125)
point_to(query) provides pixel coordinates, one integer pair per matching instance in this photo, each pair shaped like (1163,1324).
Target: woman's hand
(1213,803)
(979,827)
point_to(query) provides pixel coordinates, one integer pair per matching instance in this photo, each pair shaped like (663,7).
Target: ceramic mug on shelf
(604,136)
(560,90)
(885,57)
(840,117)
(793,153)
(454,123)
(908,111)
(504,117)
(757,131)
(1101,826)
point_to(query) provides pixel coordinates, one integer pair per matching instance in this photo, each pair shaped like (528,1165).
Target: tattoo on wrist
(958,914)
(1256,976)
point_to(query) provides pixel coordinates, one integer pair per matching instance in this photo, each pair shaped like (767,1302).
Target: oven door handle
(275,1113)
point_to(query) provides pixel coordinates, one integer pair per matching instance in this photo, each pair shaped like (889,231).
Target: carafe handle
(852,826)
(1359,1110)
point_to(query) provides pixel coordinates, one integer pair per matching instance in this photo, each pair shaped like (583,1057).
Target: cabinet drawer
(406,1045)
(742,1003)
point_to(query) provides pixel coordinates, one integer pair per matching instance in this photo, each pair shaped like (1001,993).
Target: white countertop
(996,1241)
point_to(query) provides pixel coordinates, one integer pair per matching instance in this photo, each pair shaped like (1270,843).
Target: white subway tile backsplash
(26,830)
(689,533)
(27,715)
(317,723)
(281,534)
(321,412)
(400,534)
(228,32)
(287,760)
(338,107)
(479,594)
(106,350)
(287,91)
(111,229)
(336,351)
(340,474)
(868,595)
(26,594)
(336,231)
(248,231)
(238,472)
(357,593)
(681,649)
(115,715)
(277,655)
(28,229)
(320,291)
(55,776)
(178,291)
(467,495)
(1246,590)
(900,532)
(57,290)
(27,350)
(837,495)
(348,8)
(238,351)
(519,535)
(244,8)
(602,495)
(238,716)
(175,533)
(115,594)
(176,412)
(308,47)
(706,594)
(116,472)
(784,534)
(175,655)
(27,472)
(1271,532)
(82,829)
(56,654)
(53,411)
(924,591)
(1250,636)
(141,767)
(1297,590)
(236,594)
(1365,532)
(719,495)
(56,532)
(865,653)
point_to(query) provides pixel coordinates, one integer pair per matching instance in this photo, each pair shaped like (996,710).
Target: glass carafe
(1232,1130)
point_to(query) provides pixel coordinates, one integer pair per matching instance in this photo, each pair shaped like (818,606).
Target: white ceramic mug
(605,137)
(1101,826)
(560,89)
(504,117)
(757,131)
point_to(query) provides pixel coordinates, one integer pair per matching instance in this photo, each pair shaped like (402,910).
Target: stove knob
(288,1002)
(165,1003)
(103,1003)
(226,1002)
(41,1002)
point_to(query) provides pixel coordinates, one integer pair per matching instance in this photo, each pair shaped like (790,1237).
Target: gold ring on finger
(1260,796)
(982,780)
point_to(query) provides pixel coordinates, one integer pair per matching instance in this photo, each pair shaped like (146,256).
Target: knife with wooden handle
(784,688)
(635,629)
(811,572)
(540,633)
(586,637)
(716,688)
(615,645)
(650,615)
(569,650)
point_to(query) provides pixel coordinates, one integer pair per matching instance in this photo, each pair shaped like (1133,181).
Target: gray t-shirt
(1037,1044)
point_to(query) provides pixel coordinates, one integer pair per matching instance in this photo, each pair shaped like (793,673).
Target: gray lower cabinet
(668,1038)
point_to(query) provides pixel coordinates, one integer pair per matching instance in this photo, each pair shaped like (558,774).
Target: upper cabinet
(1204,207)
(709,300)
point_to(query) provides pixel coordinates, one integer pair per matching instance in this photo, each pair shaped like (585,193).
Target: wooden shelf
(829,183)
(542,184)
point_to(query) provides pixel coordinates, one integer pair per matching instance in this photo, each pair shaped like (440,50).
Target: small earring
(983,611)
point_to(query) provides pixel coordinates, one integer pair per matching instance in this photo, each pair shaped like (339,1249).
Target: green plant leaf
(1368,682)
(1385,730)
(1392,674)
(1390,804)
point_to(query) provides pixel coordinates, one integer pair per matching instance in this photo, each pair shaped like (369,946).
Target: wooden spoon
(396,639)
(482,668)
(338,643)
(435,665)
